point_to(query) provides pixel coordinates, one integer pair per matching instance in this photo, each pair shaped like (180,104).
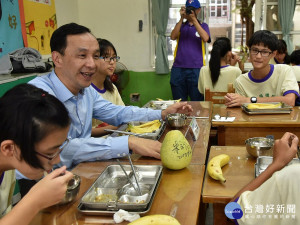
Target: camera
(189,10)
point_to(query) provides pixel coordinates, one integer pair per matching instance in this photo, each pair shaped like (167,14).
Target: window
(272,23)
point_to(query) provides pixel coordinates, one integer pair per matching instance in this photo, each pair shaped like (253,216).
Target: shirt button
(118,155)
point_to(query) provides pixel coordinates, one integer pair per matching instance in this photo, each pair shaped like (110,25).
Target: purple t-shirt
(190,47)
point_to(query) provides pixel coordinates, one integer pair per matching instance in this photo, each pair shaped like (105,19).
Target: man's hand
(178,107)
(145,147)
(233,99)
(285,149)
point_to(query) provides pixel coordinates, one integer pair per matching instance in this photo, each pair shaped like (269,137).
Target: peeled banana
(156,220)
(214,167)
(148,127)
(264,106)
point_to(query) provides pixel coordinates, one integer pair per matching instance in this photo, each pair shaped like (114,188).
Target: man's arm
(284,151)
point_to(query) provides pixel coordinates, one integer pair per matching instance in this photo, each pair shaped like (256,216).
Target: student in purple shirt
(190,52)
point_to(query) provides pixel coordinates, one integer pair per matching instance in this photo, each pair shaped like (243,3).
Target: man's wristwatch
(253,99)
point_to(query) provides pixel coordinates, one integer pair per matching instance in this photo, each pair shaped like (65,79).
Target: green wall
(6,86)
(149,85)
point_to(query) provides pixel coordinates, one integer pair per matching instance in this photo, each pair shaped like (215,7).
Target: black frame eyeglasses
(263,53)
(109,59)
(50,158)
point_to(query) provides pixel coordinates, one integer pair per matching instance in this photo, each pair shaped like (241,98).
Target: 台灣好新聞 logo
(233,210)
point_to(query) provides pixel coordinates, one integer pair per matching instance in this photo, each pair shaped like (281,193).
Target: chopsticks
(137,189)
(134,174)
(123,132)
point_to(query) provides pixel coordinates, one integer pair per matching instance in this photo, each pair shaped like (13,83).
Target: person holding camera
(189,55)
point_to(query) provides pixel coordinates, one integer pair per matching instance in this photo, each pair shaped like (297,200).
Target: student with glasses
(102,83)
(266,82)
(33,131)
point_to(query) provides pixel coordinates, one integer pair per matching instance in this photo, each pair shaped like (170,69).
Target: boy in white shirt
(266,82)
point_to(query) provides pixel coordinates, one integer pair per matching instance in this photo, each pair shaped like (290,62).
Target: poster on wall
(10,27)
(40,23)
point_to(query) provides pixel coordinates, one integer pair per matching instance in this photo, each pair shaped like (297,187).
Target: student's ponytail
(215,64)
(220,48)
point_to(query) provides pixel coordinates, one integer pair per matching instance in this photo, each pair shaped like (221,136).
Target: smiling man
(266,82)
(75,52)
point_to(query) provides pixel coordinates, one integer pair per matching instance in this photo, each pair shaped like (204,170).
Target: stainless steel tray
(112,191)
(81,207)
(283,109)
(262,162)
(154,135)
(159,104)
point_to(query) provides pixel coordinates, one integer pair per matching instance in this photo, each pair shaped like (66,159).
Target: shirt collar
(61,91)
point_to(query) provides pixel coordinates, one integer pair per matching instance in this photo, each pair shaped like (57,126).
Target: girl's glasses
(109,59)
(50,158)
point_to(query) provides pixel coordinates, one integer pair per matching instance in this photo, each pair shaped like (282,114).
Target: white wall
(117,21)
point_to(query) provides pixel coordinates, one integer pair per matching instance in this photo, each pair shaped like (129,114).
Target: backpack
(23,60)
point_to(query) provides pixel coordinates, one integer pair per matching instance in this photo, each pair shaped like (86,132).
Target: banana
(145,128)
(159,99)
(148,123)
(214,166)
(264,106)
(156,220)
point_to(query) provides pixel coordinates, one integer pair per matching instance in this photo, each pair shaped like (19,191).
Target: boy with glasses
(266,82)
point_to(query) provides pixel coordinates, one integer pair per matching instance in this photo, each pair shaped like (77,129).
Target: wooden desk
(246,126)
(177,188)
(238,173)
(181,188)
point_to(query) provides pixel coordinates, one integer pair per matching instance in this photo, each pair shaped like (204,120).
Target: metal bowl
(260,146)
(176,120)
(72,189)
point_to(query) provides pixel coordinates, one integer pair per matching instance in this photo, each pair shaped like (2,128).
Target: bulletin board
(10,27)
(40,23)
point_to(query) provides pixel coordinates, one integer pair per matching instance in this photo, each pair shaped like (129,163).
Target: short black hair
(58,41)
(281,47)
(295,57)
(265,37)
(28,114)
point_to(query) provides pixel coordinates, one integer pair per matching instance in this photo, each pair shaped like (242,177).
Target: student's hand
(182,11)
(233,100)
(145,147)
(285,149)
(51,189)
(178,107)
(234,59)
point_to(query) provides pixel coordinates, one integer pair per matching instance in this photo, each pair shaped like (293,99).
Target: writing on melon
(176,152)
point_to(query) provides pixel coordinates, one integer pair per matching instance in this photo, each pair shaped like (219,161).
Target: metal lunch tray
(283,109)
(112,191)
(83,209)
(154,135)
(159,104)
(262,162)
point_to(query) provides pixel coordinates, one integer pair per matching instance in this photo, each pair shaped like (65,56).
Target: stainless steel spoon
(128,178)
